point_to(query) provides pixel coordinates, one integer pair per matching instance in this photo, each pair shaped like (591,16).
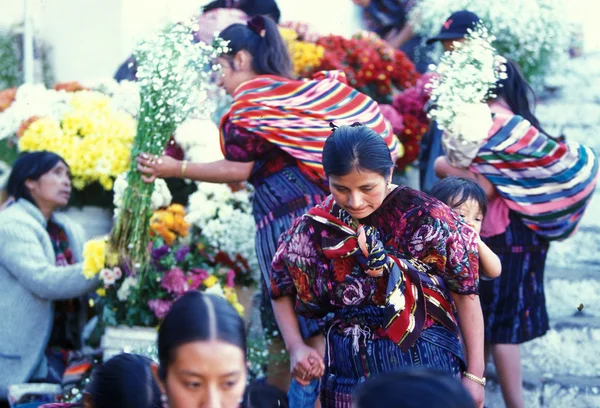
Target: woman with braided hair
(397,269)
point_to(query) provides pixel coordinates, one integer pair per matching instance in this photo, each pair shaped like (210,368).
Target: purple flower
(231,278)
(175,282)
(158,253)
(182,253)
(353,294)
(160,307)
(126,268)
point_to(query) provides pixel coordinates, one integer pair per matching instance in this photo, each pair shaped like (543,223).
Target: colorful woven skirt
(514,305)
(351,360)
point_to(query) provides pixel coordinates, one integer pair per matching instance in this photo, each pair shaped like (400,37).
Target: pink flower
(117,272)
(160,307)
(196,277)
(202,273)
(231,278)
(394,117)
(175,282)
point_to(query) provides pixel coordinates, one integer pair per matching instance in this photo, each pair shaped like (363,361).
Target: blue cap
(456,26)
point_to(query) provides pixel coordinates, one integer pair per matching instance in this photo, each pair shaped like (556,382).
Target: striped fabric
(295,115)
(547,182)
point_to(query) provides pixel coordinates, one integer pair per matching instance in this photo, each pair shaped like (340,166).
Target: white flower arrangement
(534,33)
(466,77)
(226,220)
(33,100)
(124,291)
(161,195)
(199,140)
(125,95)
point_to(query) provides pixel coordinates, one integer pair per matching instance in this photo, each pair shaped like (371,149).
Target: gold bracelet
(474,378)
(183,168)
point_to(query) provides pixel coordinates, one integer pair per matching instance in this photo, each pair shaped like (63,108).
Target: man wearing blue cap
(454,29)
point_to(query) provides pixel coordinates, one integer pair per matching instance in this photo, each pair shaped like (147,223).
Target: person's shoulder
(15,216)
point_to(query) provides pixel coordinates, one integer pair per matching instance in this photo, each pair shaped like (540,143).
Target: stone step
(548,391)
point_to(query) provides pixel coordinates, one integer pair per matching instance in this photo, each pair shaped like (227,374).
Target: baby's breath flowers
(465,78)
(174,75)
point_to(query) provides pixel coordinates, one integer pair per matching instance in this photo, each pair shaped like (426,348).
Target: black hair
(198,317)
(261,38)
(518,94)
(356,147)
(416,388)
(263,395)
(30,166)
(125,381)
(250,7)
(454,191)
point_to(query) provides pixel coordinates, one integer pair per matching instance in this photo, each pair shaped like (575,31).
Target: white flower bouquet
(174,75)
(464,80)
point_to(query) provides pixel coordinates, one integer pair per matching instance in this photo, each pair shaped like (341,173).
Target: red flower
(25,125)
(302,283)
(72,86)
(7,97)
(342,267)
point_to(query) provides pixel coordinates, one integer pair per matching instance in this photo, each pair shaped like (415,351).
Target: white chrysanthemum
(125,289)
(199,139)
(161,196)
(33,100)
(225,219)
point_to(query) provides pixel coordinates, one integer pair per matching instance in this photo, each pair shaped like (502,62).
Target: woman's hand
(155,167)
(476,391)
(306,364)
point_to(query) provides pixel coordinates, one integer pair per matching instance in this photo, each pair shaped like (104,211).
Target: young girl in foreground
(468,199)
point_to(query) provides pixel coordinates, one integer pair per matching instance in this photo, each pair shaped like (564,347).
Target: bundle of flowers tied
(154,254)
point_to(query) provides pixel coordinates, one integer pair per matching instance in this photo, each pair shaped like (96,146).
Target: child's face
(470,212)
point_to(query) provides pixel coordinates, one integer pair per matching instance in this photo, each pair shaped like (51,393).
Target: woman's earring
(164,401)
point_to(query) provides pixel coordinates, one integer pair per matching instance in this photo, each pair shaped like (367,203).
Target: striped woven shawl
(547,182)
(295,115)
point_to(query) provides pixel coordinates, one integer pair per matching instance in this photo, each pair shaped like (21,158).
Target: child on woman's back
(468,199)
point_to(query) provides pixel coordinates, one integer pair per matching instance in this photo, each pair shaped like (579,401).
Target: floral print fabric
(241,145)
(409,223)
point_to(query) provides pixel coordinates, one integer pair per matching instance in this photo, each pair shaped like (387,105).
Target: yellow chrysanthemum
(304,55)
(101,292)
(210,281)
(93,138)
(94,253)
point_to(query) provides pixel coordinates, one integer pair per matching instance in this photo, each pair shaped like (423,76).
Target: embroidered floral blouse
(410,224)
(244,146)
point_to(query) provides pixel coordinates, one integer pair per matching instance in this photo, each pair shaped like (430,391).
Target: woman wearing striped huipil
(538,189)
(273,137)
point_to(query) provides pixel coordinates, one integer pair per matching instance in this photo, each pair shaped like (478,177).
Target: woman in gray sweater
(40,263)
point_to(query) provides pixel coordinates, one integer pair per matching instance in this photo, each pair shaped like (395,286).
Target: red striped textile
(295,115)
